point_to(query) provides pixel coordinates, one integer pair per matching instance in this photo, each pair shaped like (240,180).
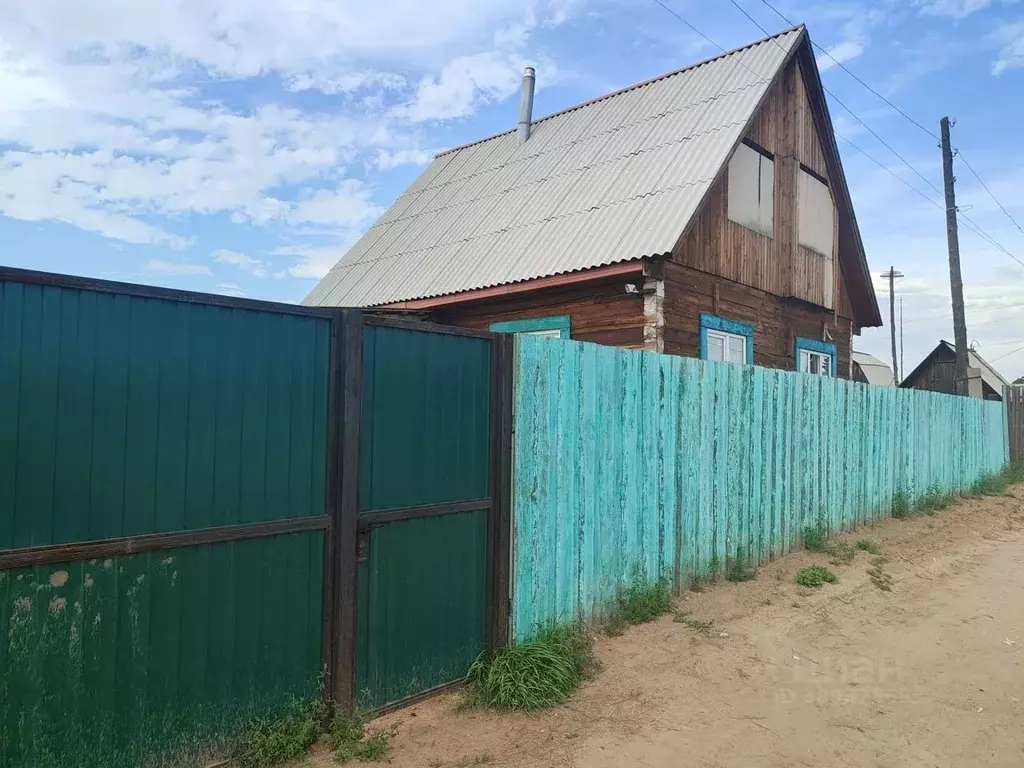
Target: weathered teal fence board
(631,464)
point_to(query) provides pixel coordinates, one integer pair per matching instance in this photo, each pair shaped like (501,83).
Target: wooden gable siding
(778,265)
(600,312)
(777,321)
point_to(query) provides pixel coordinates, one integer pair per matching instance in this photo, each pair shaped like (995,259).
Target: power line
(990,193)
(851,74)
(838,101)
(970,225)
(1018,349)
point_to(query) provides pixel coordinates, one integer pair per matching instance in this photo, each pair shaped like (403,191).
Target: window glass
(728,347)
(752,190)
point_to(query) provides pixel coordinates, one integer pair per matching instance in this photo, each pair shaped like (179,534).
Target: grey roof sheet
(875,371)
(612,180)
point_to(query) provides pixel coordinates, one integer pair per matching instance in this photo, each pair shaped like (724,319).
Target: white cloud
(957,9)
(111,124)
(231,289)
(840,54)
(1011,56)
(245,263)
(179,268)
(312,261)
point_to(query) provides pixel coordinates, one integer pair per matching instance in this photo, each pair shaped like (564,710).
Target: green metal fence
(163,500)
(212,507)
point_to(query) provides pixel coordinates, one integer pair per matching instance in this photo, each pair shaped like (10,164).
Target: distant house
(870,370)
(937,373)
(702,213)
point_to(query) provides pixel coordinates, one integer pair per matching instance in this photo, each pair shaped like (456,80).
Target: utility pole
(956,282)
(902,361)
(893,274)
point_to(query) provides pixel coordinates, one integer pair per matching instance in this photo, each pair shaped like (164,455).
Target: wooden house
(868,369)
(937,373)
(702,213)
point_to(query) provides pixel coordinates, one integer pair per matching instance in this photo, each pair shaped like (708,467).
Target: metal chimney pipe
(526,104)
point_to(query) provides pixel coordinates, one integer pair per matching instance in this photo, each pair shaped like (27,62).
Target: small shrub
(351,740)
(815,576)
(272,741)
(542,672)
(901,508)
(816,537)
(867,545)
(737,569)
(934,500)
(993,485)
(714,567)
(639,604)
(696,585)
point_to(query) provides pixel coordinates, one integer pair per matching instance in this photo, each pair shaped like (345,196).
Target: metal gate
(429,529)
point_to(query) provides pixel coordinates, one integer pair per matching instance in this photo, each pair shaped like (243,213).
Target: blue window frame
(809,356)
(715,323)
(558,325)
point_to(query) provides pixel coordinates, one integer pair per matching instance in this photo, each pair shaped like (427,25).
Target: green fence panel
(634,465)
(422,605)
(156,659)
(426,418)
(425,441)
(122,415)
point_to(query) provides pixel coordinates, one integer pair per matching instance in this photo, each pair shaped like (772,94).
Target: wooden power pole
(956,282)
(893,274)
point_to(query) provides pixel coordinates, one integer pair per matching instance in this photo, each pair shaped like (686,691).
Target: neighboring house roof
(947,351)
(875,371)
(615,179)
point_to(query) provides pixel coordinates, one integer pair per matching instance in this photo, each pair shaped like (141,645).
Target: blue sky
(240,147)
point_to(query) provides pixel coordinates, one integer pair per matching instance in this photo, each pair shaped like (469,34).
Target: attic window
(752,187)
(817,218)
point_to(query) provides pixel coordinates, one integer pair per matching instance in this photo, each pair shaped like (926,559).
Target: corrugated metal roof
(611,180)
(875,371)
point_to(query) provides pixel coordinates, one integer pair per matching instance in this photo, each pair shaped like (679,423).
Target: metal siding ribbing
(673,133)
(635,465)
(122,415)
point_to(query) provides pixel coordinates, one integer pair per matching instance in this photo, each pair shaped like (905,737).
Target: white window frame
(806,357)
(751,188)
(726,338)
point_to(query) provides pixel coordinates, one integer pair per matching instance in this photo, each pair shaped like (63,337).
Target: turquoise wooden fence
(633,464)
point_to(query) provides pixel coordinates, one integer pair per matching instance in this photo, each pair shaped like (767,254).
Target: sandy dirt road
(930,673)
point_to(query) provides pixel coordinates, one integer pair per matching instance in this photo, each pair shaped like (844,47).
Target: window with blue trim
(557,326)
(818,358)
(726,340)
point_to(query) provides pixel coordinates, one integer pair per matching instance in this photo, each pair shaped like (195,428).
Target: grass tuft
(351,740)
(272,741)
(714,568)
(641,603)
(816,538)
(542,672)
(994,485)
(737,568)
(867,545)
(901,507)
(702,627)
(815,576)
(934,500)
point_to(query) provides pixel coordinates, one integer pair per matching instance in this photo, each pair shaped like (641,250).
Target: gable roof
(615,179)
(875,371)
(947,351)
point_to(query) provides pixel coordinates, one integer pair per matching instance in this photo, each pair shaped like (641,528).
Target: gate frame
(341,583)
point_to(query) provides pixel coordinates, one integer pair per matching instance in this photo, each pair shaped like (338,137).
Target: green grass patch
(816,538)
(273,741)
(994,485)
(352,740)
(867,545)
(815,576)
(641,603)
(737,568)
(935,500)
(714,569)
(901,506)
(542,672)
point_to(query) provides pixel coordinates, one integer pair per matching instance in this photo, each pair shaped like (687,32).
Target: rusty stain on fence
(636,465)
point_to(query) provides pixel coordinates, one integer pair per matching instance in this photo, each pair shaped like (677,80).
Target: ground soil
(930,673)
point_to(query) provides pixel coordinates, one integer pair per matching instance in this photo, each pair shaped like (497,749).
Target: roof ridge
(665,76)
